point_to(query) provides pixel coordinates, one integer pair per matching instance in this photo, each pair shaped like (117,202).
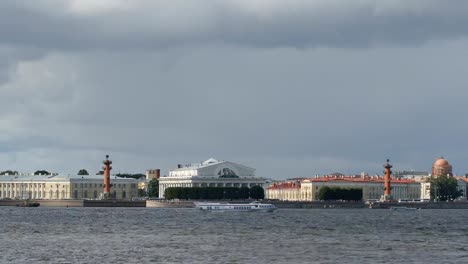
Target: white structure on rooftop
(210,173)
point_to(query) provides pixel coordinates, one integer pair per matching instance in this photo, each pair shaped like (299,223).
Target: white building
(210,173)
(52,187)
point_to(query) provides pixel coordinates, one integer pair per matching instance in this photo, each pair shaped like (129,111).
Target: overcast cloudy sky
(291,88)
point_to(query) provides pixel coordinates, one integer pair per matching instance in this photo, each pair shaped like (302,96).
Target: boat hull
(252,207)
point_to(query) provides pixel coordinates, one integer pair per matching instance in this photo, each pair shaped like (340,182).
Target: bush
(214,193)
(336,193)
(257,192)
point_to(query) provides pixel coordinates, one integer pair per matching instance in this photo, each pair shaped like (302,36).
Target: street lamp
(82,179)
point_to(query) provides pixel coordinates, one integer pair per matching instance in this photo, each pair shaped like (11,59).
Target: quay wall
(278,204)
(317,204)
(113,203)
(426,205)
(77,203)
(169,204)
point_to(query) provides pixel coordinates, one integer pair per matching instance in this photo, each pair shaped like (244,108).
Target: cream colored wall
(56,190)
(63,189)
(286,194)
(87,190)
(34,190)
(370,190)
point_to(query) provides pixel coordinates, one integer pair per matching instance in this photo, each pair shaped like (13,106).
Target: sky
(290,88)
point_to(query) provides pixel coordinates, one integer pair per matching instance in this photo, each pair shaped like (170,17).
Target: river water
(150,235)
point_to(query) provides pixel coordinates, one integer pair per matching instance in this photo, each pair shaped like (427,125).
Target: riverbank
(76,203)
(278,204)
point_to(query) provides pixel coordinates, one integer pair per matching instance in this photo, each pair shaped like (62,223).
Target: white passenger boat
(254,206)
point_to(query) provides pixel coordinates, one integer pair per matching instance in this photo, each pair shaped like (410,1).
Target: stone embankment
(421,205)
(169,204)
(278,204)
(76,203)
(317,204)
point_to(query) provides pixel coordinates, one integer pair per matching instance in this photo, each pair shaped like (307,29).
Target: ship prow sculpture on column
(107,168)
(387,197)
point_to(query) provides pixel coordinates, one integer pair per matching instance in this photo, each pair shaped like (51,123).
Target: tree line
(336,193)
(130,175)
(214,193)
(444,188)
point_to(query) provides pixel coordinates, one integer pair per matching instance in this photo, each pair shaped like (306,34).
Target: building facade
(210,173)
(54,187)
(372,188)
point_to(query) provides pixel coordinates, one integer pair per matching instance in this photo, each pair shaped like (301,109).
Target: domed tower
(441,167)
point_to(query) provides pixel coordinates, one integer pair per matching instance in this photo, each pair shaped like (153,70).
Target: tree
(141,193)
(42,172)
(244,193)
(336,193)
(129,175)
(444,188)
(83,172)
(153,188)
(257,192)
(325,193)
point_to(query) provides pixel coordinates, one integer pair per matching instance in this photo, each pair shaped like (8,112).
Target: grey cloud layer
(277,85)
(161,24)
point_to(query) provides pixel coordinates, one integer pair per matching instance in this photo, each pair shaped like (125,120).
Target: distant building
(52,187)
(210,173)
(441,167)
(411,174)
(153,174)
(462,186)
(372,188)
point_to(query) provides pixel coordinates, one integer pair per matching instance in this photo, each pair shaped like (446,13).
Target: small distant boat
(250,207)
(403,208)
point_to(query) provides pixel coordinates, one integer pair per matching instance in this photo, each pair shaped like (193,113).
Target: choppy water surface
(144,235)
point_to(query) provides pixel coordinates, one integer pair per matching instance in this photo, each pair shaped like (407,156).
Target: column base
(386,198)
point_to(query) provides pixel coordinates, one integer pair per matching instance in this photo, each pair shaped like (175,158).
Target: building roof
(336,178)
(441,162)
(206,163)
(359,179)
(285,185)
(57,177)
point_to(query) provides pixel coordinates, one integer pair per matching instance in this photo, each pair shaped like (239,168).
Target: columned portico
(211,173)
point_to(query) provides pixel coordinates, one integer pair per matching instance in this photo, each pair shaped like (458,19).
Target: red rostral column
(387,189)
(107,168)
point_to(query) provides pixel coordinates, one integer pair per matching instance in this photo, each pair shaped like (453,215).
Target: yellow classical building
(64,187)
(372,188)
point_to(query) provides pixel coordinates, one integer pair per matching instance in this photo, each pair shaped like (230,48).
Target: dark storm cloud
(292,88)
(75,25)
